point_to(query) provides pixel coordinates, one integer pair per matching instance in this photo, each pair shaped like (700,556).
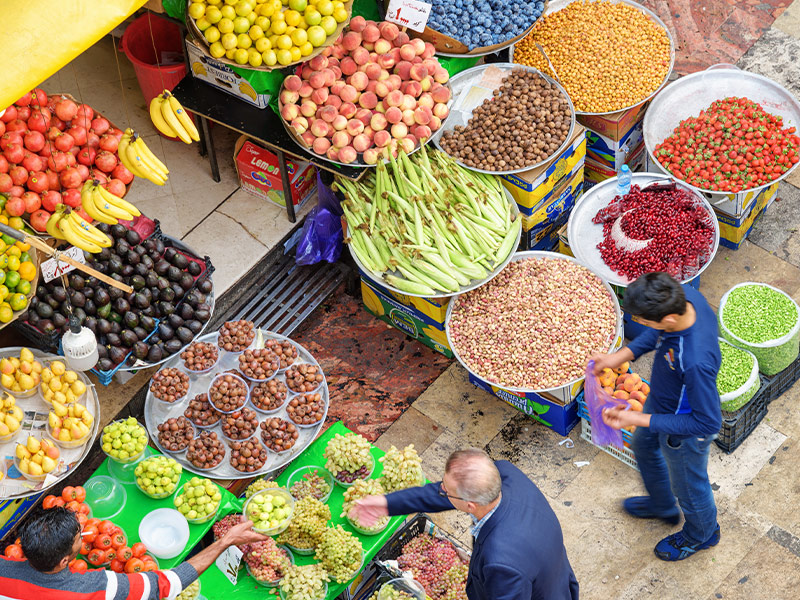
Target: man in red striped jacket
(50,541)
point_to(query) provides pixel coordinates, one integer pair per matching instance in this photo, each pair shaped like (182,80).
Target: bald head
(475,475)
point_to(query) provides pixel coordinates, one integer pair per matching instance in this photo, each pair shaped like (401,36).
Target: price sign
(409,13)
(228,562)
(55,268)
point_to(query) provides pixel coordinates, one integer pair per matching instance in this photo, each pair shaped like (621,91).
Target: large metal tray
(467,83)
(376,277)
(156,411)
(690,95)
(557,5)
(585,235)
(36,411)
(612,342)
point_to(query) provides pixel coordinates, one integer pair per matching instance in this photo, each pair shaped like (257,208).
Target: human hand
(242,533)
(620,416)
(369,509)
(603,361)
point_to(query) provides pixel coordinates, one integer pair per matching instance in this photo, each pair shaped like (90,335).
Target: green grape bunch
(190,592)
(312,484)
(348,457)
(307,525)
(259,484)
(304,582)
(340,553)
(401,470)
(361,489)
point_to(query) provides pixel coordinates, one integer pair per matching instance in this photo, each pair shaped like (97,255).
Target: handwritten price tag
(409,13)
(55,268)
(228,562)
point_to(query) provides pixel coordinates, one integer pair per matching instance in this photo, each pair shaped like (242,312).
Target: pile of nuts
(200,356)
(205,451)
(228,392)
(175,434)
(285,350)
(235,336)
(535,325)
(523,123)
(169,384)
(279,434)
(306,409)
(304,378)
(200,412)
(240,425)
(268,395)
(259,364)
(248,456)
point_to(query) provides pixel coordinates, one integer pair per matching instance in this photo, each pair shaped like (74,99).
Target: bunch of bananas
(171,119)
(105,207)
(139,159)
(65,224)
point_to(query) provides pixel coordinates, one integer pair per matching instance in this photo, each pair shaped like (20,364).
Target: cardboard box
(563,242)
(540,230)
(221,76)
(260,175)
(612,153)
(596,173)
(529,188)
(733,231)
(614,125)
(420,318)
(12,512)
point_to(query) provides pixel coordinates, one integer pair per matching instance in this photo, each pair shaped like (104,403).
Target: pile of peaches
(621,384)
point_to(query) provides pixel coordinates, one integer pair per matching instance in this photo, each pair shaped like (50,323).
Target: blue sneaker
(640,507)
(675,547)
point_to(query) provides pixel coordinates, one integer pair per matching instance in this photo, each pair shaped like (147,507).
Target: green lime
(12,279)
(18,301)
(3,292)
(3,261)
(8,239)
(25,257)
(24,287)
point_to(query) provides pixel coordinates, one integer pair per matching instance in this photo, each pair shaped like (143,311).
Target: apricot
(621,395)
(608,390)
(621,380)
(635,405)
(623,368)
(645,389)
(632,382)
(638,396)
(607,378)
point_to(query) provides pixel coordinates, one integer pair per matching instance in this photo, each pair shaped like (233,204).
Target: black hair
(653,296)
(48,537)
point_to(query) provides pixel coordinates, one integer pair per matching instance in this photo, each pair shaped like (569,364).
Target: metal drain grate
(290,293)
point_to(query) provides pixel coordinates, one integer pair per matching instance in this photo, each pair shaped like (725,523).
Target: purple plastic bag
(596,401)
(322,237)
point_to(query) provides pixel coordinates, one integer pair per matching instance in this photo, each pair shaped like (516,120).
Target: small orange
(27,271)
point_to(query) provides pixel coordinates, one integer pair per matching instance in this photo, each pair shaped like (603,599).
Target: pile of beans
(523,123)
(268,395)
(306,409)
(175,434)
(248,456)
(608,56)
(304,378)
(240,425)
(534,325)
(757,313)
(200,356)
(205,451)
(278,434)
(169,384)
(200,412)
(735,369)
(235,336)
(259,364)
(228,392)
(285,350)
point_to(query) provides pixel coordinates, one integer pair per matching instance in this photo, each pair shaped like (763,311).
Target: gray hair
(475,475)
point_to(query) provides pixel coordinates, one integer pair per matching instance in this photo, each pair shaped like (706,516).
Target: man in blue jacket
(518,550)
(682,415)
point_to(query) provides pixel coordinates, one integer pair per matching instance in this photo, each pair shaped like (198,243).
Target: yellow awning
(41,36)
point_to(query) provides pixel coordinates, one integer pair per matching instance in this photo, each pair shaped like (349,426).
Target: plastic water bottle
(624,181)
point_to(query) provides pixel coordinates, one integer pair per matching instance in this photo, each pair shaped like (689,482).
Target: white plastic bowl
(165,532)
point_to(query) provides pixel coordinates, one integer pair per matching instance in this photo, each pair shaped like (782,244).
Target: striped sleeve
(153,585)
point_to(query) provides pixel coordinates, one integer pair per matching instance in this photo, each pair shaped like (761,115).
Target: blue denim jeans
(677,467)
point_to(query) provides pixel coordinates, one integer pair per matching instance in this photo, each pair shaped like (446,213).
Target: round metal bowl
(585,235)
(476,283)
(557,5)
(690,95)
(612,342)
(470,78)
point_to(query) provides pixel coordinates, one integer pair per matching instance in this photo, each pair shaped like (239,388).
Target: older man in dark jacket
(518,550)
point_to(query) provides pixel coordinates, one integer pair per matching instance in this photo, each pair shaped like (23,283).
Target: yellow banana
(150,159)
(158,119)
(183,117)
(118,202)
(52,226)
(69,233)
(122,151)
(99,205)
(135,158)
(172,120)
(88,231)
(88,202)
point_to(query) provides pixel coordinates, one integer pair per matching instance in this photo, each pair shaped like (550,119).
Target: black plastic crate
(736,429)
(781,382)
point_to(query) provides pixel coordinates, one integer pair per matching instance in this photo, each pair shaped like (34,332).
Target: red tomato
(73,505)
(86,547)
(78,566)
(14,551)
(125,553)
(105,526)
(80,493)
(111,554)
(139,549)
(90,532)
(85,509)
(96,557)
(68,493)
(103,541)
(134,565)
(118,540)
(117,565)
(82,518)
(49,502)
(150,565)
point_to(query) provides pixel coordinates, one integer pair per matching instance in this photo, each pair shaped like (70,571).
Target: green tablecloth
(213,584)
(138,505)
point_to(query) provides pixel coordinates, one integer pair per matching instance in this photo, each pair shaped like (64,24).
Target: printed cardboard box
(540,230)
(612,153)
(597,173)
(733,231)
(614,125)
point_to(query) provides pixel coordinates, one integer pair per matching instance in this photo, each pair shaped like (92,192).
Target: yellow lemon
(299,37)
(278,27)
(270,59)
(284,57)
(284,42)
(263,44)
(217,50)
(240,56)
(292,17)
(254,57)
(212,34)
(244,41)
(306,49)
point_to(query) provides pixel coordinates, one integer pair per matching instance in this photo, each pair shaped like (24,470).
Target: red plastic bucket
(137,44)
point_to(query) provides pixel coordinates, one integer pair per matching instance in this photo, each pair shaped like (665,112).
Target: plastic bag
(596,401)
(322,235)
